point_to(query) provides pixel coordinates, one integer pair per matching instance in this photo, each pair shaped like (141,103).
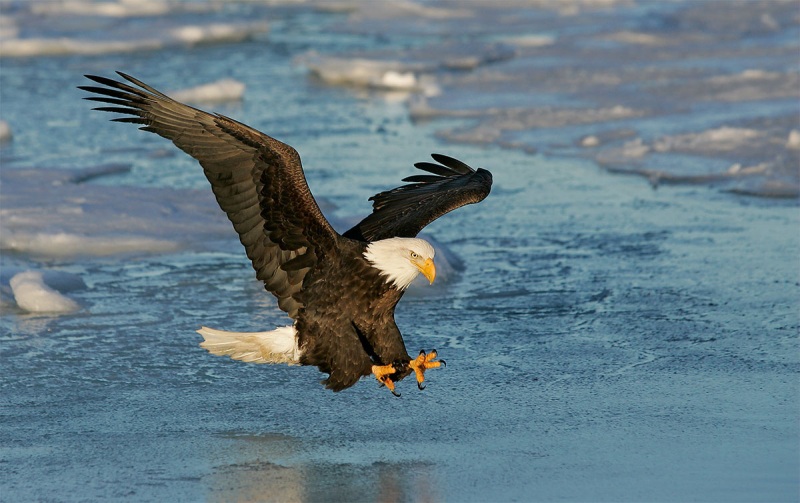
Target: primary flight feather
(340,289)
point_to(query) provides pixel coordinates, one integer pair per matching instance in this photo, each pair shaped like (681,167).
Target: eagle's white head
(400,260)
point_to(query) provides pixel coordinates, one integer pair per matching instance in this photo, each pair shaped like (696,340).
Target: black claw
(444,363)
(396,393)
(420,386)
(422,352)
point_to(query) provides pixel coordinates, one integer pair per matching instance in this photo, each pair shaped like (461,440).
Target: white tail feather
(276,346)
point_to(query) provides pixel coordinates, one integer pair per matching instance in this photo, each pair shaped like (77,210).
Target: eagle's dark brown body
(342,306)
(344,332)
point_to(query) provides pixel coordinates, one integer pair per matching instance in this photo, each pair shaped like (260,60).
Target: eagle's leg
(424,362)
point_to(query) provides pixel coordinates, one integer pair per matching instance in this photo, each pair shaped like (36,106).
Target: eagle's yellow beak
(427,268)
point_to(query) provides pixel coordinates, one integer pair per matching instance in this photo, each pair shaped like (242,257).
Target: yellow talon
(424,362)
(387,375)
(383,373)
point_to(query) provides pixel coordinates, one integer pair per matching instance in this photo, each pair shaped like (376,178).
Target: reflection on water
(272,467)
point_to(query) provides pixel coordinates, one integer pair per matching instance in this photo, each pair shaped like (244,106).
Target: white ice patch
(793,142)
(44,212)
(364,72)
(216,32)
(414,72)
(398,80)
(5,132)
(215,92)
(62,244)
(529,40)
(746,76)
(115,9)
(639,38)
(590,141)
(33,295)
(134,42)
(712,140)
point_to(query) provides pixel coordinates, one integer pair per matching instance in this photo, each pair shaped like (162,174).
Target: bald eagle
(340,289)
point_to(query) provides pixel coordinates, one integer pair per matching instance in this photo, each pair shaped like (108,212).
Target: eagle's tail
(276,346)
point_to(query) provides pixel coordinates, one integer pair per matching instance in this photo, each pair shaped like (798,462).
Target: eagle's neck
(391,258)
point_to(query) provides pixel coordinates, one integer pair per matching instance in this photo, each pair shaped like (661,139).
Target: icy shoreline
(618,93)
(578,103)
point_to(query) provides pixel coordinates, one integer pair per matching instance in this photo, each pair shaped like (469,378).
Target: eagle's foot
(386,375)
(424,362)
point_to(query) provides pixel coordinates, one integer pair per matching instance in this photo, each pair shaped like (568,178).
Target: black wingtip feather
(113,101)
(120,89)
(104,80)
(436,169)
(452,163)
(95,78)
(447,167)
(141,84)
(133,95)
(133,120)
(405,210)
(95,89)
(422,178)
(120,110)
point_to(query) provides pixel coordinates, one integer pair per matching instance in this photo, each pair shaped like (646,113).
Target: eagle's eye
(414,255)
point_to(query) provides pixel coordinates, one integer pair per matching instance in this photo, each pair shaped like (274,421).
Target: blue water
(606,341)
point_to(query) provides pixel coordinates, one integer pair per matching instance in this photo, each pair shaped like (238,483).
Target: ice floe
(570,85)
(32,294)
(5,132)
(38,290)
(494,126)
(118,8)
(364,72)
(186,35)
(793,142)
(413,71)
(761,160)
(720,139)
(65,244)
(214,92)
(91,28)
(54,213)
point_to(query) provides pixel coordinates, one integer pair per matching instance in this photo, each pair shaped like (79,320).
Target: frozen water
(38,291)
(91,28)
(5,132)
(116,9)
(605,341)
(214,92)
(82,219)
(587,78)
(33,295)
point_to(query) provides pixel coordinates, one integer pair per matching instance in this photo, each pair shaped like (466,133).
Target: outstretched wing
(404,211)
(257,180)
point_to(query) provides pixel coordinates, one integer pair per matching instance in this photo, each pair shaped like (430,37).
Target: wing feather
(452,163)
(257,180)
(406,210)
